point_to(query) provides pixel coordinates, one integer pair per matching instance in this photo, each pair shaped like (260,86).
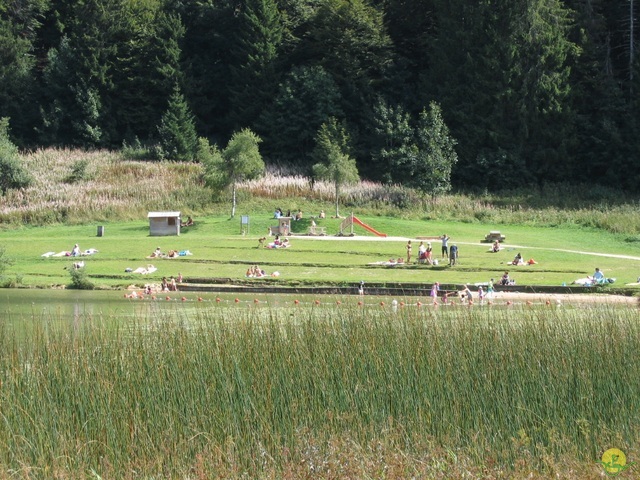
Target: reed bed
(320,392)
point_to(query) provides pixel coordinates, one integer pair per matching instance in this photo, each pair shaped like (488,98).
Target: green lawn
(219,250)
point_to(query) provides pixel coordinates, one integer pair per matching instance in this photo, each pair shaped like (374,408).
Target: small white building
(164,223)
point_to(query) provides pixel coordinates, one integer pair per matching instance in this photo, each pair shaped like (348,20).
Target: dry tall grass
(121,189)
(117,188)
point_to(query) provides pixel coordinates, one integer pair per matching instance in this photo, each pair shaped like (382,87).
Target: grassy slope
(126,190)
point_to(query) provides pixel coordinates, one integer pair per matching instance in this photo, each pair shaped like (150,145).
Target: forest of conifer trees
(532,91)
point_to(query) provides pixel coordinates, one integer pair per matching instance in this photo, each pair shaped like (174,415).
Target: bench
(317,230)
(493,236)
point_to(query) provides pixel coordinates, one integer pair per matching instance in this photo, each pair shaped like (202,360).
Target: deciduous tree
(334,165)
(240,160)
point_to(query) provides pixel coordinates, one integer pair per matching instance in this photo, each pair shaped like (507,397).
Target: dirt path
(435,239)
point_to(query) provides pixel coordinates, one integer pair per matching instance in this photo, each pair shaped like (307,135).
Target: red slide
(367,227)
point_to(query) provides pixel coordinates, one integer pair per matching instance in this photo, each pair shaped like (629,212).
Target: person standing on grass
(490,290)
(445,246)
(453,255)
(409,251)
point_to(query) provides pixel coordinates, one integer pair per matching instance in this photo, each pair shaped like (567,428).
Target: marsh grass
(321,392)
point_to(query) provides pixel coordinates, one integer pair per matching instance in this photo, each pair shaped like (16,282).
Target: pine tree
(306,99)
(178,138)
(254,77)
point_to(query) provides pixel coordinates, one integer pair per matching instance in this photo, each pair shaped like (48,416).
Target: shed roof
(163,214)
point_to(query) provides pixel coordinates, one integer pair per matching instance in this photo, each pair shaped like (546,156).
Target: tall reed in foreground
(321,393)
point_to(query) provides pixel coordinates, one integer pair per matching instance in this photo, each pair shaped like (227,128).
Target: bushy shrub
(79,279)
(4,261)
(12,173)
(137,151)
(79,172)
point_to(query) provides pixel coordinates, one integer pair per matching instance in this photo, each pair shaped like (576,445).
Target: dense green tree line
(526,91)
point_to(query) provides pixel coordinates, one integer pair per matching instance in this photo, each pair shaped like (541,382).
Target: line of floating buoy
(394,303)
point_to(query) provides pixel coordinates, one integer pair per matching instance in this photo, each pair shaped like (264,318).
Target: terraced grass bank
(320,392)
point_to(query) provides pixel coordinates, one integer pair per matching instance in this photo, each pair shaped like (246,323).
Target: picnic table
(493,236)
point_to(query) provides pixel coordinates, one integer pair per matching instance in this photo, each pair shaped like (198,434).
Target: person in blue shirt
(453,255)
(598,276)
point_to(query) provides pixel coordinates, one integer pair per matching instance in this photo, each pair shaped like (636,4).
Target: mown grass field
(550,224)
(219,251)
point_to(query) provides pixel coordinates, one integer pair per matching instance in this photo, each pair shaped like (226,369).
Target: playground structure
(283,227)
(348,222)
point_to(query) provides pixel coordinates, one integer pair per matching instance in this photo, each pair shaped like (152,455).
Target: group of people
(449,252)
(158,253)
(425,252)
(255,272)
(277,242)
(170,285)
(465,295)
(298,215)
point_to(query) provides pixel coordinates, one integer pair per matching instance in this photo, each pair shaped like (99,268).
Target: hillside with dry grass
(77,187)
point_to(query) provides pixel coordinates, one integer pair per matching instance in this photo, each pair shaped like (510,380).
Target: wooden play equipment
(348,222)
(283,227)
